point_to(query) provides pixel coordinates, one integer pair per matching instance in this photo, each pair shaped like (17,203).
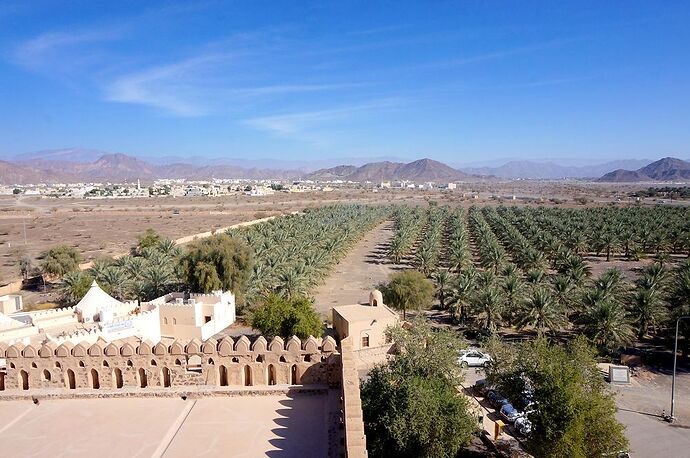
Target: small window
(165,320)
(207,318)
(174,320)
(365,341)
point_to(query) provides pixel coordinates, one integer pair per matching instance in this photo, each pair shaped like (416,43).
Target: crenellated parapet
(122,364)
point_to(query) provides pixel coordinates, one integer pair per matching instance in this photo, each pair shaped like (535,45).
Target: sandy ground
(274,426)
(354,277)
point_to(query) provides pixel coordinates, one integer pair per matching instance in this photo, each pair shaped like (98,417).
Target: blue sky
(460,82)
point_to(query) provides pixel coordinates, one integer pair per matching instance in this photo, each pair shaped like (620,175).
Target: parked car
(509,413)
(523,426)
(496,399)
(474,358)
(481,387)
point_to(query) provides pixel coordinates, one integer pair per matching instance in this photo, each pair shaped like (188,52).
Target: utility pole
(671,418)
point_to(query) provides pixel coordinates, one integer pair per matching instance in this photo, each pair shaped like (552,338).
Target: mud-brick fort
(294,397)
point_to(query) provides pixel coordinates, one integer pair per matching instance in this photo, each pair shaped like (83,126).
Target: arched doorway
(247,376)
(143,381)
(46,375)
(294,379)
(271,375)
(71,382)
(95,382)
(117,378)
(24,379)
(222,375)
(165,377)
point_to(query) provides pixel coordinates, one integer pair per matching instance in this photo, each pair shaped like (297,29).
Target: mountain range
(552,171)
(88,165)
(666,169)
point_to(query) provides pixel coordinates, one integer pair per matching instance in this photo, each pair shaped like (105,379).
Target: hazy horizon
(469,84)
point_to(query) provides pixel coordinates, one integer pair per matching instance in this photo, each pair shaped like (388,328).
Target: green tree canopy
(575,414)
(60,260)
(411,407)
(217,262)
(149,239)
(278,316)
(408,289)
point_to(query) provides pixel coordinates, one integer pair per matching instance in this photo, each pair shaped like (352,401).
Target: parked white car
(474,358)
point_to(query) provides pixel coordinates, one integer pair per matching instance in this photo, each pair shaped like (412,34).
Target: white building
(188,316)
(11,303)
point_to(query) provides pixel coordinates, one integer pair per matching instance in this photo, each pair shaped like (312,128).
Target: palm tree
(157,280)
(489,306)
(607,326)
(513,288)
(115,280)
(647,308)
(460,295)
(542,312)
(74,285)
(607,241)
(442,280)
(291,283)
(680,300)
(26,267)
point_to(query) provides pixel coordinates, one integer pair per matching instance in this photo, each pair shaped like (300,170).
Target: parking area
(490,413)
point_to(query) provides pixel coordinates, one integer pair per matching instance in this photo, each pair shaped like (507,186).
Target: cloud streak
(291,123)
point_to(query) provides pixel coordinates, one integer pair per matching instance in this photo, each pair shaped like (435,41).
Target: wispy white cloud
(291,123)
(494,55)
(52,50)
(197,86)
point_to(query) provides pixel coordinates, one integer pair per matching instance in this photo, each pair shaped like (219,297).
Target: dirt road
(356,275)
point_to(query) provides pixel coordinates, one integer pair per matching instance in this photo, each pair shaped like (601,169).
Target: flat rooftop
(276,425)
(359,312)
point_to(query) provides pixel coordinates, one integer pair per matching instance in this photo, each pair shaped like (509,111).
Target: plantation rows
(293,254)
(530,268)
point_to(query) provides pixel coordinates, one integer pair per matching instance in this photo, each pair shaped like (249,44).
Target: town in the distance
(344,229)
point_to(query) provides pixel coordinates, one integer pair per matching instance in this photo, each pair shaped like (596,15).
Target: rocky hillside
(420,170)
(666,169)
(120,167)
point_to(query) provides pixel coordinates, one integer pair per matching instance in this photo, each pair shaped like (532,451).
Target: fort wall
(111,366)
(355,439)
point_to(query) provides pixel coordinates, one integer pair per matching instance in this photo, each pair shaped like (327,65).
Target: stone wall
(112,366)
(355,440)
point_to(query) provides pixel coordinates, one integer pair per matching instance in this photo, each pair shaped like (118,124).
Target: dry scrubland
(109,227)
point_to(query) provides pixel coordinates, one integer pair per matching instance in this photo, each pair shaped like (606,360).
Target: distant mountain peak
(666,169)
(420,170)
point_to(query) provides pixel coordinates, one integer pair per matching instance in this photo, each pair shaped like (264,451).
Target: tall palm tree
(442,280)
(488,304)
(606,324)
(460,296)
(115,280)
(542,312)
(513,291)
(647,309)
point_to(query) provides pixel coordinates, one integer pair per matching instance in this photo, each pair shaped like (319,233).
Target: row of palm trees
(146,274)
(408,222)
(293,254)
(526,276)
(630,232)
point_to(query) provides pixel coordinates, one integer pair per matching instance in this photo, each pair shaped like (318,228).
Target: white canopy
(94,301)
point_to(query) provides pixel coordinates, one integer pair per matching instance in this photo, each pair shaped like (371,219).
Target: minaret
(138,184)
